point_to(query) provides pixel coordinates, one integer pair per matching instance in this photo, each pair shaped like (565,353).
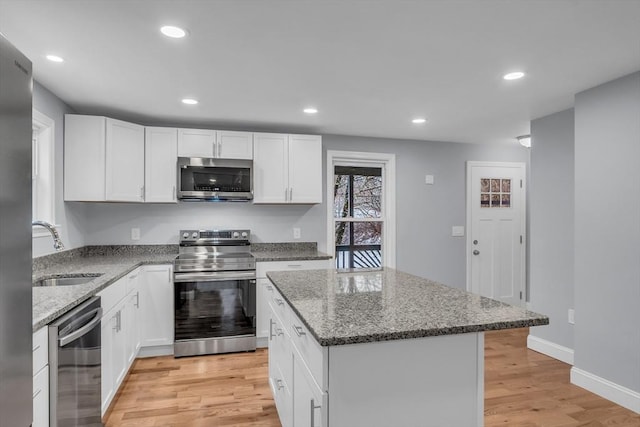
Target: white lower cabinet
(41,378)
(299,395)
(308,400)
(137,312)
(264,290)
(156,305)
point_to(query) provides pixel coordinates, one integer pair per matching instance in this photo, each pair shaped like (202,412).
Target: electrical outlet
(428,179)
(572,316)
(135,234)
(296,233)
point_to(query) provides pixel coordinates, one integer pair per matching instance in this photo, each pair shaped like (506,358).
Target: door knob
(476,252)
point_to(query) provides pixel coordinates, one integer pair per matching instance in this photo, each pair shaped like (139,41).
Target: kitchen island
(380,348)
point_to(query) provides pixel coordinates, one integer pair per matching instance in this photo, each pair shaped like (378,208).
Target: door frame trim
(388,163)
(523,223)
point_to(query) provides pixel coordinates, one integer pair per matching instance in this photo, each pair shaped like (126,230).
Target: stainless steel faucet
(57,243)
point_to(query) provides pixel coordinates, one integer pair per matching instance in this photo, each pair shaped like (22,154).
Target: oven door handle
(213,277)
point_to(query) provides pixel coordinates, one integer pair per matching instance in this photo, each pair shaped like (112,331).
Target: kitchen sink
(67,280)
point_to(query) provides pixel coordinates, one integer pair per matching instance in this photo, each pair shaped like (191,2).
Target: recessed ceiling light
(173,32)
(190,101)
(54,58)
(513,76)
(418,120)
(310,110)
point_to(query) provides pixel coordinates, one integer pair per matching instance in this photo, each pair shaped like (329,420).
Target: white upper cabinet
(234,145)
(160,168)
(270,162)
(220,144)
(305,168)
(196,143)
(125,162)
(287,168)
(103,159)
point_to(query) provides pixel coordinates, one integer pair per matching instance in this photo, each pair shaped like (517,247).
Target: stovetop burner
(214,250)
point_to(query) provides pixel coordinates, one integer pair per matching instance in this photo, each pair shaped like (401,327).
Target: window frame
(386,161)
(45,127)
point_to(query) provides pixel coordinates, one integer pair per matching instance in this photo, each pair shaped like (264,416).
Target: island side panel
(432,381)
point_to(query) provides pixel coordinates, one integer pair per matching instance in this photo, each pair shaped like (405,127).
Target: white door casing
(387,162)
(496,240)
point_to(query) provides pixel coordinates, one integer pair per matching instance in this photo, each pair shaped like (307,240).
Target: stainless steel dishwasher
(74,367)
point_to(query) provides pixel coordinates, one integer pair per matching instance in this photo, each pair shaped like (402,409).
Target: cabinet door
(308,405)
(118,347)
(234,145)
(196,143)
(270,164)
(156,305)
(41,398)
(84,158)
(262,310)
(107,334)
(160,164)
(124,161)
(131,318)
(305,168)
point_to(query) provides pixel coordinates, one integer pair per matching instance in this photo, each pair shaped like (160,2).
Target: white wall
(607,231)
(70,217)
(551,208)
(111,223)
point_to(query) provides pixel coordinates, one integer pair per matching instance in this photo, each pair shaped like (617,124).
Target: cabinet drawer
(282,396)
(263,267)
(309,349)
(131,281)
(112,294)
(40,349)
(278,305)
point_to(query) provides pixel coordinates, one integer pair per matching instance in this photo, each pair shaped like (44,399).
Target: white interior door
(496,230)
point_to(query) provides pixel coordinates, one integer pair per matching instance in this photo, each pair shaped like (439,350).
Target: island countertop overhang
(353,307)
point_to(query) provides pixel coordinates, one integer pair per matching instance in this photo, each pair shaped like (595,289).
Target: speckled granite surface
(116,261)
(50,303)
(355,307)
(288,251)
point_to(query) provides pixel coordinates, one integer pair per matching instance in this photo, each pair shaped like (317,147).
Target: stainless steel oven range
(214,293)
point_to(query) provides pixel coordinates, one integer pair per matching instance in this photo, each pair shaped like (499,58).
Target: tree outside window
(357,212)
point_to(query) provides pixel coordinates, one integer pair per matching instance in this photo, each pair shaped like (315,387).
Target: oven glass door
(215,308)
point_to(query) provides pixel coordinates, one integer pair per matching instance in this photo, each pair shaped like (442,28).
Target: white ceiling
(368,66)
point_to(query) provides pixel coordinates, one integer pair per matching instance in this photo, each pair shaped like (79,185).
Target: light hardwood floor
(522,388)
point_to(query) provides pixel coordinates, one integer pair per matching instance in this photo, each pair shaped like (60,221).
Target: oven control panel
(212,237)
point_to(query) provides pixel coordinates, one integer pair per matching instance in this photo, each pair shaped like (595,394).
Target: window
(43,174)
(357,209)
(361,209)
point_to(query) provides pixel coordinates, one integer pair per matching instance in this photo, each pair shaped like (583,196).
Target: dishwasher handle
(66,339)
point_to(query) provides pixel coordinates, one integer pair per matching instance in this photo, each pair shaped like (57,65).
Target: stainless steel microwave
(207,179)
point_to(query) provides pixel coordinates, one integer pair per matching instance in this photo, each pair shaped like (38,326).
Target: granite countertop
(114,262)
(293,251)
(348,307)
(50,303)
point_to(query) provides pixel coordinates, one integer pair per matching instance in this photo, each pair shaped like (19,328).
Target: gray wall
(551,209)
(68,216)
(425,214)
(607,231)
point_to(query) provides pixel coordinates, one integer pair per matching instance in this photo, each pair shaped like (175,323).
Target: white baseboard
(611,391)
(156,350)
(559,352)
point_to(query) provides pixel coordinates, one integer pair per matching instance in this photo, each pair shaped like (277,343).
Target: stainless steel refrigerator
(15,238)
